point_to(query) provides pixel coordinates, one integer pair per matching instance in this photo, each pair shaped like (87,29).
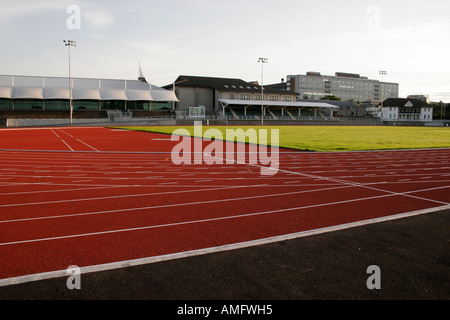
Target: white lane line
(62,139)
(340,181)
(209,250)
(161,206)
(236,216)
(200,202)
(80,235)
(49,191)
(79,140)
(124,196)
(195,221)
(88,145)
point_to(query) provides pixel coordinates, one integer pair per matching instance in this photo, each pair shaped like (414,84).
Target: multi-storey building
(346,86)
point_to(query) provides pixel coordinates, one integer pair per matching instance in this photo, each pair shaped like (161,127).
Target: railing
(267,117)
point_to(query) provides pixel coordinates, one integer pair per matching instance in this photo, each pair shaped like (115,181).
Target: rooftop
(222,84)
(403,102)
(38,87)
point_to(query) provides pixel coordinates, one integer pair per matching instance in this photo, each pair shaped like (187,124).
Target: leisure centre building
(54,93)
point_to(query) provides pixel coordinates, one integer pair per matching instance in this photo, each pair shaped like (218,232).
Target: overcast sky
(408,39)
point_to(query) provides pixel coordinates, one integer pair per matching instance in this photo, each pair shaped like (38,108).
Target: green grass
(339,138)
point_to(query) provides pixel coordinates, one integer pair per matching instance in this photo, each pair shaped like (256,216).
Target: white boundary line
(169,205)
(79,140)
(210,250)
(164,225)
(288,152)
(190,203)
(62,140)
(333,179)
(139,195)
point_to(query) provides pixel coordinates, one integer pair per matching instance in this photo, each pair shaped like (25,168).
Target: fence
(125,118)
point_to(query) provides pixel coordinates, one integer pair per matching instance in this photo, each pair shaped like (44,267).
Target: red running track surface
(101,198)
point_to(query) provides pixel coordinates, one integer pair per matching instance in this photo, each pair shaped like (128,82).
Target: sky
(407,39)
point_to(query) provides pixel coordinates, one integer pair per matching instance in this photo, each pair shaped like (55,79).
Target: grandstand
(277,110)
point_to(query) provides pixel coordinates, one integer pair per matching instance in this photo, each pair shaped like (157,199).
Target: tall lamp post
(262,61)
(68,44)
(382,74)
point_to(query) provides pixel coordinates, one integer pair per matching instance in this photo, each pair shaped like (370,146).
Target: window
(140,105)
(59,105)
(244,96)
(112,105)
(286,98)
(6,104)
(232,96)
(28,104)
(273,98)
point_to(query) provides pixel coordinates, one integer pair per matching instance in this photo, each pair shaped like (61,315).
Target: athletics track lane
(91,208)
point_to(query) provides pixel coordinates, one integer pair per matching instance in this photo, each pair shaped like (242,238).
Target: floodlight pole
(382,73)
(68,44)
(262,61)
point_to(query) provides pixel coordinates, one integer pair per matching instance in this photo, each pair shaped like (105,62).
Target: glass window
(28,104)
(85,105)
(6,104)
(56,104)
(112,105)
(160,105)
(139,105)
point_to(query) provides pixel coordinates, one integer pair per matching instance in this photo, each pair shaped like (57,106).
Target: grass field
(339,138)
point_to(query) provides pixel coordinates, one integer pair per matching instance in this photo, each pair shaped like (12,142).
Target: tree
(330,97)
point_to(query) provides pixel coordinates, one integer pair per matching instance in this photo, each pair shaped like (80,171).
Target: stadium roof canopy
(298,104)
(47,88)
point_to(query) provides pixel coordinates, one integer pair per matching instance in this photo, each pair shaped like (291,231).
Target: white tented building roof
(30,87)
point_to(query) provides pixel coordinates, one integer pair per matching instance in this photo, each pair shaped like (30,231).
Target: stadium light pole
(262,61)
(382,73)
(68,44)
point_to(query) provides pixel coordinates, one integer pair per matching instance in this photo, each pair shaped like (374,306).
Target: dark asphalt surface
(413,255)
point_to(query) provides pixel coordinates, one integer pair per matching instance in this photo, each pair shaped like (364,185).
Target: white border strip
(240,245)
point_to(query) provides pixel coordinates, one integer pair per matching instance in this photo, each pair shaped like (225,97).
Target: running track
(102,199)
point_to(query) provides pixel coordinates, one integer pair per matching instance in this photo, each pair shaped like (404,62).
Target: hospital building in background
(346,86)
